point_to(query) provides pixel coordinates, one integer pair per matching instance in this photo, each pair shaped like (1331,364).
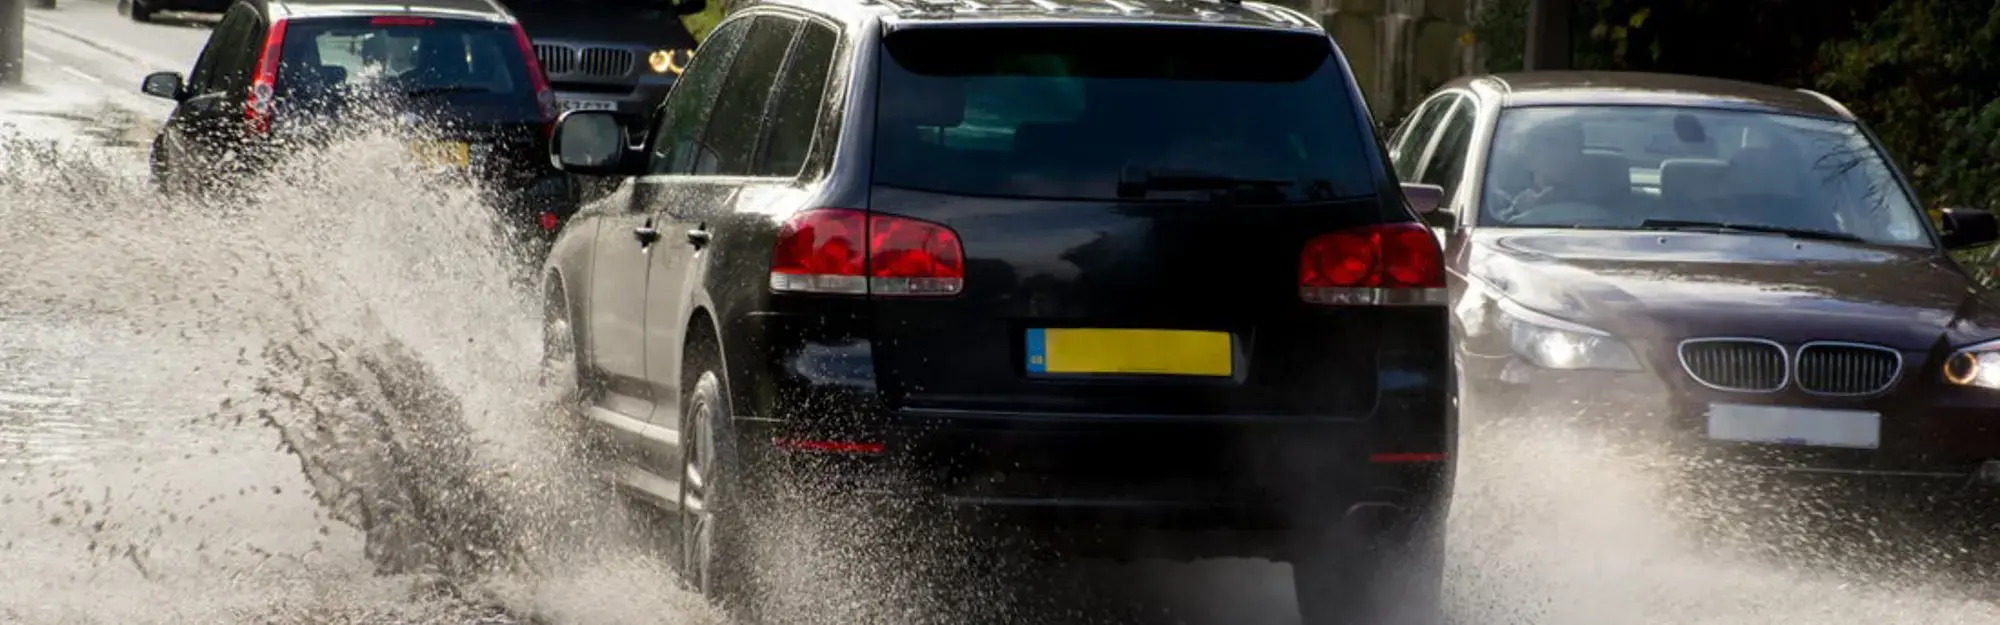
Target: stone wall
(1400,49)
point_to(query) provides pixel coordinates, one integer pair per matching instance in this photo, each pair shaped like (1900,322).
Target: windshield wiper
(1178,180)
(1796,233)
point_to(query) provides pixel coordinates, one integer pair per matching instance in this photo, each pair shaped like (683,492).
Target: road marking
(36,56)
(79,74)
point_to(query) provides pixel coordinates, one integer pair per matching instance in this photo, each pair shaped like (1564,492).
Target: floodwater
(321,404)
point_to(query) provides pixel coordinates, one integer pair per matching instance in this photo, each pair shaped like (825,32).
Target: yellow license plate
(441,154)
(1058,351)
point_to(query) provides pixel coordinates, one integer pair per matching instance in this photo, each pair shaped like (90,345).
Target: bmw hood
(1673,285)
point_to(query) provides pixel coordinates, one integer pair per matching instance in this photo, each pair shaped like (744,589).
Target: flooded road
(322,405)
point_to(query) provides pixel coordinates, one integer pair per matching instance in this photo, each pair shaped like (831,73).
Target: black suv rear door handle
(699,236)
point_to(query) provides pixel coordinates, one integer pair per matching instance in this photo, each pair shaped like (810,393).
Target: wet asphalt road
(135,489)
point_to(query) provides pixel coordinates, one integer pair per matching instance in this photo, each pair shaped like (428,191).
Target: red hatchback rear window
(408,54)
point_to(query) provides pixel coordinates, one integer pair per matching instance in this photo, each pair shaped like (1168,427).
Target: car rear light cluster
(545,95)
(853,252)
(1398,263)
(262,101)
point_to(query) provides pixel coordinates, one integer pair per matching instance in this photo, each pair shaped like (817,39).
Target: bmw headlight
(669,61)
(1975,365)
(1552,343)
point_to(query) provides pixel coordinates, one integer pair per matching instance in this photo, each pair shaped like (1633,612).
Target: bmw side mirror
(1969,227)
(1428,201)
(591,143)
(168,85)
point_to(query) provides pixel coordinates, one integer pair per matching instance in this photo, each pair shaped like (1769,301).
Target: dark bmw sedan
(1737,267)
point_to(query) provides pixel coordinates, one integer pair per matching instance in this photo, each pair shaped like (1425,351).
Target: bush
(1925,75)
(701,23)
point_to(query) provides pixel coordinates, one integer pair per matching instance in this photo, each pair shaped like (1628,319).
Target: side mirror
(1967,227)
(1428,201)
(168,85)
(591,143)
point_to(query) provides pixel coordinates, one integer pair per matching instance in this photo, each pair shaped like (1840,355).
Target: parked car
(143,10)
(1738,269)
(281,75)
(1125,277)
(620,56)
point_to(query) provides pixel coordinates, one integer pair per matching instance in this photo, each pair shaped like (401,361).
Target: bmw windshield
(1658,167)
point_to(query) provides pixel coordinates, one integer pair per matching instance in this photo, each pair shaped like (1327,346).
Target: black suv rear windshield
(412,55)
(1119,113)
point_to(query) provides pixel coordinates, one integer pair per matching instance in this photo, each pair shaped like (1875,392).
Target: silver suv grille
(555,59)
(1748,365)
(584,61)
(1829,368)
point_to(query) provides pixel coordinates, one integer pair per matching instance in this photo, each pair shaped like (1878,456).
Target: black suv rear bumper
(1120,485)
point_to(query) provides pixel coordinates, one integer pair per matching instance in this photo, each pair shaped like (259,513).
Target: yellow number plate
(441,154)
(1130,352)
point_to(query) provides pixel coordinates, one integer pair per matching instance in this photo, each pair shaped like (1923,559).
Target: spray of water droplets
(321,400)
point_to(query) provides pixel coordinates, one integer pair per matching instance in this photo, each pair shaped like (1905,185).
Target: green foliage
(1925,75)
(1501,32)
(1615,28)
(701,23)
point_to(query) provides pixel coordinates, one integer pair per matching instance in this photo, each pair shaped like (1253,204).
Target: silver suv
(610,55)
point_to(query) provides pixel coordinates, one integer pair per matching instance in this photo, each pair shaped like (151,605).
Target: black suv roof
(1215,12)
(472,9)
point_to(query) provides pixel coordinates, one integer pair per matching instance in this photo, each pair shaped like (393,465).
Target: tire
(165,180)
(562,371)
(137,11)
(714,498)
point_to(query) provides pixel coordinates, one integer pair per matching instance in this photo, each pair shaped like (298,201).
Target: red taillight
(545,96)
(262,100)
(1383,256)
(400,20)
(549,221)
(847,251)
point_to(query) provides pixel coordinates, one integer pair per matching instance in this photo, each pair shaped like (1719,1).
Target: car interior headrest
(1682,178)
(1765,167)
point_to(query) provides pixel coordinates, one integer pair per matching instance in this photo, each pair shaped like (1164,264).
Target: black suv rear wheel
(714,497)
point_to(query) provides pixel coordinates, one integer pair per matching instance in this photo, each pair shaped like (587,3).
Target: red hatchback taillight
(1354,266)
(262,100)
(851,252)
(545,95)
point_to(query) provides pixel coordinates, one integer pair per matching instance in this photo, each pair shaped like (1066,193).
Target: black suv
(1123,275)
(278,75)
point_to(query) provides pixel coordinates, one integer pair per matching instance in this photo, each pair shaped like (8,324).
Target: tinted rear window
(411,55)
(1071,112)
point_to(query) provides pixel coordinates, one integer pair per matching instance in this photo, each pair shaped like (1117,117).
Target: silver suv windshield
(1659,167)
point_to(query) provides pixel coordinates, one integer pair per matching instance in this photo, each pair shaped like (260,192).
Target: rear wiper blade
(1796,233)
(1177,180)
